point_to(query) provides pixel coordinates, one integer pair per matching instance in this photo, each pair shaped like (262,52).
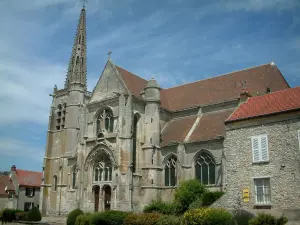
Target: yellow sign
(246,195)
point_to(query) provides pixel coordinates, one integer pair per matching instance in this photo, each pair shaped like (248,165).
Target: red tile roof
(177,130)
(276,102)
(29,178)
(134,83)
(5,182)
(211,126)
(222,88)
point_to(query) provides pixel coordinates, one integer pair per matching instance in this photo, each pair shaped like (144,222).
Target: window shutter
(264,148)
(255,149)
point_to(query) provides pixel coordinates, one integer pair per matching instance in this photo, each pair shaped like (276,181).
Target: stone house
(7,192)
(129,141)
(27,186)
(262,153)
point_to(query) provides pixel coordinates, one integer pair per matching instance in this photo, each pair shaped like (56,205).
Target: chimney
(244,95)
(13,168)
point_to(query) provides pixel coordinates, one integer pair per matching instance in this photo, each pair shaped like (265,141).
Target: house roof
(212,90)
(211,126)
(177,129)
(275,102)
(29,178)
(5,182)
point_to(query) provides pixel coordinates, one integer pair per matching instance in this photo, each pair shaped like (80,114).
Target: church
(129,141)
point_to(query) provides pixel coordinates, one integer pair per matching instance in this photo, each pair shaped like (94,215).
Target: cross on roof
(84,1)
(109,53)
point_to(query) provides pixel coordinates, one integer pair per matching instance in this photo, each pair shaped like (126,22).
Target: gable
(108,84)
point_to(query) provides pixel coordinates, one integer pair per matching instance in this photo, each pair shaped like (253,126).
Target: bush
(109,218)
(196,204)
(267,219)
(84,219)
(242,217)
(186,193)
(168,220)
(22,216)
(142,219)
(209,198)
(34,214)
(207,216)
(9,215)
(71,219)
(160,207)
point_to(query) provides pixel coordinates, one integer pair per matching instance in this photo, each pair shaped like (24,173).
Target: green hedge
(242,217)
(209,198)
(34,214)
(169,220)
(112,217)
(142,219)
(207,216)
(267,219)
(160,207)
(84,219)
(9,215)
(71,219)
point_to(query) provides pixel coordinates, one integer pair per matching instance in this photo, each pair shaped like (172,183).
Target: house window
(55,182)
(30,192)
(28,206)
(262,191)
(10,194)
(103,168)
(170,171)
(105,121)
(260,148)
(205,169)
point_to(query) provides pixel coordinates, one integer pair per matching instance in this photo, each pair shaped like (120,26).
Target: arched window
(205,168)
(77,60)
(55,182)
(105,121)
(74,179)
(135,123)
(170,171)
(103,168)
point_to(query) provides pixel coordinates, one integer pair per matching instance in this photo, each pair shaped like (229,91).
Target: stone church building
(129,141)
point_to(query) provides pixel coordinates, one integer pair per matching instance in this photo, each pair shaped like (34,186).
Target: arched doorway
(96,197)
(107,197)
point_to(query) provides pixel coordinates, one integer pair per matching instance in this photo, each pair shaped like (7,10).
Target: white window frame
(264,202)
(259,137)
(30,190)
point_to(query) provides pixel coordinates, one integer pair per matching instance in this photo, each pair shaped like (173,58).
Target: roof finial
(84,1)
(109,53)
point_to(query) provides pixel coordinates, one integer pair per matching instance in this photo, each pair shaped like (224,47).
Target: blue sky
(175,41)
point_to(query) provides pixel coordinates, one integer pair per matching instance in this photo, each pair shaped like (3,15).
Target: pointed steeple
(77,65)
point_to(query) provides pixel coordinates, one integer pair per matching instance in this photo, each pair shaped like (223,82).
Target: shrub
(267,219)
(23,216)
(168,220)
(242,217)
(112,217)
(142,219)
(71,219)
(9,215)
(186,193)
(207,216)
(196,204)
(84,219)
(34,214)
(160,207)
(209,198)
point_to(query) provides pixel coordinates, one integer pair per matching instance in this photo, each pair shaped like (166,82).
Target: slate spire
(77,65)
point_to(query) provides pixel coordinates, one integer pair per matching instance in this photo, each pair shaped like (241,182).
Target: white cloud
(13,147)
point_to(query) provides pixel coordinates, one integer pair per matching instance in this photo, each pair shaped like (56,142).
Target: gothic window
(79,39)
(55,182)
(77,59)
(58,116)
(135,123)
(105,121)
(205,169)
(103,169)
(170,172)
(74,179)
(82,61)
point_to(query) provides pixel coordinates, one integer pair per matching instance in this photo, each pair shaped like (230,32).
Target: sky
(174,41)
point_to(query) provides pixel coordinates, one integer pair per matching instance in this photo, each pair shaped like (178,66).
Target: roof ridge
(29,171)
(221,75)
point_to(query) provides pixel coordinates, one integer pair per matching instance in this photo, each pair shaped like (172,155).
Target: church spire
(77,65)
